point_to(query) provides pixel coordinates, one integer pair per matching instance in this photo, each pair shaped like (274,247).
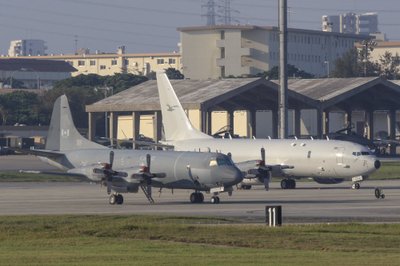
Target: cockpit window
(359,153)
(224,161)
(220,161)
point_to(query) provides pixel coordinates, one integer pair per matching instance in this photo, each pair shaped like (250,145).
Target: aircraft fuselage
(185,170)
(307,158)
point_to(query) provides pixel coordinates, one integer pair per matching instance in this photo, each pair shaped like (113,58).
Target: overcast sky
(150,25)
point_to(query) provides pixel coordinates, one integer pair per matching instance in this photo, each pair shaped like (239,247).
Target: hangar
(316,107)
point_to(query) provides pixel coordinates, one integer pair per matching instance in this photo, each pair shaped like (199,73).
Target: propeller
(264,170)
(108,172)
(261,163)
(263,156)
(146,175)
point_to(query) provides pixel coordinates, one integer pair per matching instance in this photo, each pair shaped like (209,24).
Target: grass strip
(149,240)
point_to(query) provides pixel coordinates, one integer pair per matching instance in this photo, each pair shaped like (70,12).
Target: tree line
(29,108)
(357,63)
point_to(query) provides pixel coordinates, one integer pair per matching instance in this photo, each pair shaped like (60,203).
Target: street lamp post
(327,69)
(105,90)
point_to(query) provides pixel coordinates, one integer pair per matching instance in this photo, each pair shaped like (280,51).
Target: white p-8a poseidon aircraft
(123,171)
(326,161)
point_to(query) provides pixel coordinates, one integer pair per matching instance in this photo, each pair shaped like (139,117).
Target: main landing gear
(355,185)
(116,199)
(196,197)
(246,187)
(288,183)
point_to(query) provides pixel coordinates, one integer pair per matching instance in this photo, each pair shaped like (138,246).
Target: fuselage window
(361,153)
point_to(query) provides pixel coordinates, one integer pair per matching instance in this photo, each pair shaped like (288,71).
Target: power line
(124,7)
(88,27)
(86,17)
(5,25)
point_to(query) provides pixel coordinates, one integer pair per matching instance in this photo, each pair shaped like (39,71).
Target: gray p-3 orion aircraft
(326,161)
(123,171)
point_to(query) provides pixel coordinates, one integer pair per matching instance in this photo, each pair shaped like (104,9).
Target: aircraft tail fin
(62,134)
(175,121)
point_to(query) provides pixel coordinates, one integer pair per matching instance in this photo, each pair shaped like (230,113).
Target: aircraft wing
(252,167)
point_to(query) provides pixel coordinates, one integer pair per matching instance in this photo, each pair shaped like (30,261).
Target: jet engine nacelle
(324,180)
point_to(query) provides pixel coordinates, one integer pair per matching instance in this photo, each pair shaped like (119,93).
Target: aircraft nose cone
(232,176)
(377,164)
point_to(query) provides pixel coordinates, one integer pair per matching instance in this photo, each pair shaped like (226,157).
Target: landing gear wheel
(200,197)
(214,199)
(113,199)
(355,186)
(193,198)
(245,187)
(288,183)
(284,184)
(292,183)
(196,197)
(379,193)
(119,199)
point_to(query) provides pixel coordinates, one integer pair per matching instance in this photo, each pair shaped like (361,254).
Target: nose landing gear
(379,193)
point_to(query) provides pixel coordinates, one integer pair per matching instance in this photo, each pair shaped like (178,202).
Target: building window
(171,61)
(113,62)
(222,35)
(102,67)
(92,62)
(81,62)
(223,71)
(126,62)
(160,61)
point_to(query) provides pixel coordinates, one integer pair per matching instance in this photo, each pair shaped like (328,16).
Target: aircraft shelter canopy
(223,94)
(372,93)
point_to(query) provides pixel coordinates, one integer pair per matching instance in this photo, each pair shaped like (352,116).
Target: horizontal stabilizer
(53,173)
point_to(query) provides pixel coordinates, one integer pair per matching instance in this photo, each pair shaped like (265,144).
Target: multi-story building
(381,48)
(210,52)
(110,63)
(366,23)
(27,48)
(33,73)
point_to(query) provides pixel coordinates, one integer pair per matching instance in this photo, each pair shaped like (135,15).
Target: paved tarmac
(309,203)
